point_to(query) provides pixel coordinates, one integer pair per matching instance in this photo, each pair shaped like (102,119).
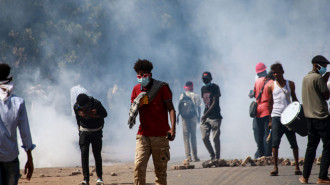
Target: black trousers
(95,139)
(317,129)
(9,172)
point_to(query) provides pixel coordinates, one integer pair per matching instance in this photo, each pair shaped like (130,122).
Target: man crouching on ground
(152,99)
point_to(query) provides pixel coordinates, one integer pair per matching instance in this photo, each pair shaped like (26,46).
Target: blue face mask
(143,81)
(207,84)
(322,69)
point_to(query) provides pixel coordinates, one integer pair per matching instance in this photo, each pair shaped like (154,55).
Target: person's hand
(92,113)
(171,135)
(203,119)
(28,170)
(251,94)
(81,113)
(270,124)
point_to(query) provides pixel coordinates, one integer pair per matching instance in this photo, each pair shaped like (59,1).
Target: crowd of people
(151,99)
(273,94)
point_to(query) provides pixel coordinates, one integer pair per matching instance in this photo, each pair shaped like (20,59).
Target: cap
(260,67)
(207,74)
(189,86)
(319,59)
(189,83)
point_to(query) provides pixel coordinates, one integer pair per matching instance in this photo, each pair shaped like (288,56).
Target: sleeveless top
(281,98)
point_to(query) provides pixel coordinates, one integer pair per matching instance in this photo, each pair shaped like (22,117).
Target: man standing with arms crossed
(314,95)
(152,99)
(279,98)
(12,115)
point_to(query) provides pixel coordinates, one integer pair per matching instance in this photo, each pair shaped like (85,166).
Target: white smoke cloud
(183,39)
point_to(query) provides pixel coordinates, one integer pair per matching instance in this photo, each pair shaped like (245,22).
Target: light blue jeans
(206,128)
(9,172)
(189,132)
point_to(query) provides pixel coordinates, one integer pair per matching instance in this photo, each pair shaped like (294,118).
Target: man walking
(189,109)
(314,95)
(152,99)
(90,115)
(211,120)
(12,116)
(260,123)
(279,98)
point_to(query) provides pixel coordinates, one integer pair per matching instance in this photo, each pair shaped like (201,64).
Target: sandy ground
(122,173)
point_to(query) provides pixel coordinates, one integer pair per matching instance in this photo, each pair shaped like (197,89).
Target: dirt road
(122,173)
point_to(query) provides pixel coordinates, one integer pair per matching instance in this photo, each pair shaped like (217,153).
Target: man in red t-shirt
(153,101)
(260,123)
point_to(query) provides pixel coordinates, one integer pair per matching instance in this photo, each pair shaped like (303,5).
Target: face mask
(6,90)
(143,81)
(322,69)
(207,84)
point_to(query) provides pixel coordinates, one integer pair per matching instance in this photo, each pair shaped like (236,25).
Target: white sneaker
(84,183)
(99,182)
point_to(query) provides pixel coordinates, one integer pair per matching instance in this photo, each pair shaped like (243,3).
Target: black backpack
(186,107)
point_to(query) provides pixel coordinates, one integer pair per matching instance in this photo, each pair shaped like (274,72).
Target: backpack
(186,107)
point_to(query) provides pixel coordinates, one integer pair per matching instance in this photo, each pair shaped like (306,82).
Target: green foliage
(49,34)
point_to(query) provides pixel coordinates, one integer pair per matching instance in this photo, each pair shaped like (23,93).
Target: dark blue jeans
(278,129)
(317,129)
(9,172)
(261,131)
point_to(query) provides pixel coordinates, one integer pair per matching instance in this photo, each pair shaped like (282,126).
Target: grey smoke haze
(182,39)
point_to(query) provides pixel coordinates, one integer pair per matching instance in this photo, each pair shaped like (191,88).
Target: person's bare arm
(171,110)
(28,170)
(293,91)
(270,103)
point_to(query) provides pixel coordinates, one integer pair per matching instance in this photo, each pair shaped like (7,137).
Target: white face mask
(6,90)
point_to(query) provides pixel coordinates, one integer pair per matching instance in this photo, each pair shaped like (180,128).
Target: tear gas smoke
(182,39)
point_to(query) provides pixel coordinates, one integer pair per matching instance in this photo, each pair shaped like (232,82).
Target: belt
(89,129)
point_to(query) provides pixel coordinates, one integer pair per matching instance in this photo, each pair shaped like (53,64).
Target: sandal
(273,173)
(323,181)
(297,172)
(303,180)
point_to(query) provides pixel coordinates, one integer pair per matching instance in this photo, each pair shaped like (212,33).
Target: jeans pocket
(165,154)
(82,138)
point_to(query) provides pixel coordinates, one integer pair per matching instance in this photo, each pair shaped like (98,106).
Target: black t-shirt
(92,123)
(208,92)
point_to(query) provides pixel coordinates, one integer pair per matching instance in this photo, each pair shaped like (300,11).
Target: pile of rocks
(262,161)
(185,165)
